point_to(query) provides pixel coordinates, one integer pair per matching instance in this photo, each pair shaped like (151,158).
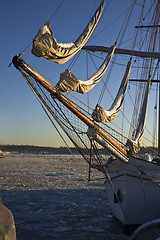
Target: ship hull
(138,194)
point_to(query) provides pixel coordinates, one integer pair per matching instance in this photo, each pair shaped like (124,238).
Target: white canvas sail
(68,82)
(100,115)
(45,44)
(134,145)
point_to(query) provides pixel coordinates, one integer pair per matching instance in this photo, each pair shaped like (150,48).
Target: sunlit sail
(68,82)
(134,144)
(100,115)
(45,45)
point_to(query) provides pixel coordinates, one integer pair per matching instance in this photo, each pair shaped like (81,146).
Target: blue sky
(22,118)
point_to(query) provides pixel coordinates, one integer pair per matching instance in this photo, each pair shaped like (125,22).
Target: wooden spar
(20,64)
(143,80)
(123,51)
(159,125)
(148,26)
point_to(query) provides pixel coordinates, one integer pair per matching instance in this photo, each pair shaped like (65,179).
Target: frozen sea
(51,198)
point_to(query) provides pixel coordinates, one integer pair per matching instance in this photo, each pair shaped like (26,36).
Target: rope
(34,90)
(126,21)
(139,25)
(78,54)
(47,21)
(25,77)
(55,11)
(114,190)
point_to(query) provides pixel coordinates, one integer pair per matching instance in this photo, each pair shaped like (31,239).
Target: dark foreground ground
(50,198)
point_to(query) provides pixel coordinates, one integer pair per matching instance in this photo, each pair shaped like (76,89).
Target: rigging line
(156,114)
(125,22)
(92,9)
(139,24)
(77,56)
(77,134)
(47,21)
(151,150)
(64,118)
(114,61)
(148,10)
(99,157)
(123,119)
(74,60)
(146,32)
(129,121)
(131,38)
(106,173)
(143,172)
(105,8)
(25,77)
(128,15)
(136,110)
(55,11)
(119,129)
(135,166)
(113,187)
(153,77)
(56,109)
(106,81)
(128,9)
(91,115)
(104,124)
(89,108)
(121,113)
(25,49)
(61,123)
(109,24)
(74,129)
(145,127)
(96,152)
(150,135)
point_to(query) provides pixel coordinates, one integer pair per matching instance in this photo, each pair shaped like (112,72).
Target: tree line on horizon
(53,150)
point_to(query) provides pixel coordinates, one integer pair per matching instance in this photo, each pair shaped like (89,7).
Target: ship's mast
(151,55)
(159,89)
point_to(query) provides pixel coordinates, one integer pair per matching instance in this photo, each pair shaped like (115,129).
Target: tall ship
(112,115)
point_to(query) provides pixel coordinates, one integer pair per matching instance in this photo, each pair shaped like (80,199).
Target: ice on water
(51,198)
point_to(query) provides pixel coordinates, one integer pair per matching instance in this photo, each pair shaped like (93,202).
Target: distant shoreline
(52,150)
(36,149)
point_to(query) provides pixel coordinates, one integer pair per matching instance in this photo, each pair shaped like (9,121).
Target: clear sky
(22,119)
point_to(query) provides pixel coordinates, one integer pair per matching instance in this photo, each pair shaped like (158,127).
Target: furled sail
(45,44)
(134,145)
(68,82)
(100,115)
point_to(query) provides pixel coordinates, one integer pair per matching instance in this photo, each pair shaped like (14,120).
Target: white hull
(139,194)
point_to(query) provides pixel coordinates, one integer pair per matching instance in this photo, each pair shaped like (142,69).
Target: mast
(111,144)
(142,54)
(159,125)
(159,94)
